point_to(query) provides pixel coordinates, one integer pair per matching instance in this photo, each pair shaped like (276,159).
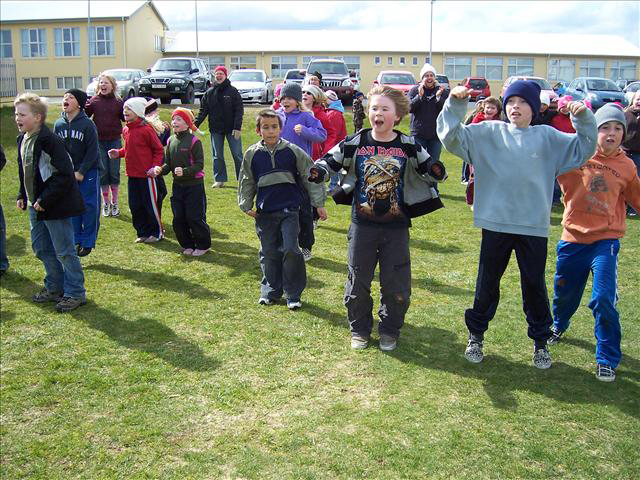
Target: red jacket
(107,115)
(317,148)
(336,132)
(563,123)
(142,149)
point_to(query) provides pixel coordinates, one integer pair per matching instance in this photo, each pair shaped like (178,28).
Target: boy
(276,171)
(593,221)
(358,112)
(390,178)
(48,188)
(514,166)
(81,139)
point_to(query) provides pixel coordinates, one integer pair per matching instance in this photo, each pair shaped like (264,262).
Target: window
(457,68)
(623,69)
(353,62)
(414,61)
(65,83)
(239,63)
(36,83)
(402,61)
(158,43)
(5,44)
(389,60)
(101,41)
(280,65)
(213,62)
(376,60)
(521,66)
(427,59)
(67,42)
(307,59)
(592,68)
(34,42)
(489,68)
(561,69)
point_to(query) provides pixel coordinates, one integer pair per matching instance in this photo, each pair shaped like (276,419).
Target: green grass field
(173,370)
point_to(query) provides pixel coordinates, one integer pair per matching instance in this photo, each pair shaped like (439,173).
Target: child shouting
(184,157)
(514,170)
(390,178)
(274,171)
(594,221)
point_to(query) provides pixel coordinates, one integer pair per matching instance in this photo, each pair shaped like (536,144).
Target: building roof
(15,12)
(344,41)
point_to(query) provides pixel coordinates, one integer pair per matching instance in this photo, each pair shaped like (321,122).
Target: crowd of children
(386,176)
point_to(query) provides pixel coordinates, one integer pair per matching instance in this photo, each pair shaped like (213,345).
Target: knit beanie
(221,68)
(611,113)
(291,90)
(79,95)
(318,75)
(427,67)
(186,115)
(563,101)
(331,95)
(529,91)
(152,105)
(137,105)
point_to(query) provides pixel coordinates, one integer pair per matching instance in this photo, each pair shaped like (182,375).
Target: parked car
(479,88)
(630,90)
(294,76)
(444,81)
(127,80)
(253,85)
(335,76)
(398,79)
(560,88)
(597,90)
(176,77)
(544,85)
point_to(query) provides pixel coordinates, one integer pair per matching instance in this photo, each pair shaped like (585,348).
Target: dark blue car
(597,90)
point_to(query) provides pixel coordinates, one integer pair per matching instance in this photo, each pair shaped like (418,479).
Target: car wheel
(165,100)
(189,96)
(130,94)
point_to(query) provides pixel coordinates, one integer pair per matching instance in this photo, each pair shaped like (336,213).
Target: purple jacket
(312,129)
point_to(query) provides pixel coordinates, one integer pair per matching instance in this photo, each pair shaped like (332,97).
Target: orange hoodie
(595,196)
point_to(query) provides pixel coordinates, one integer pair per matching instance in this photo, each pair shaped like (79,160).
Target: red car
(479,87)
(398,79)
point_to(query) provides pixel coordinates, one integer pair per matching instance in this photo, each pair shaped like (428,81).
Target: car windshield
(603,85)
(172,65)
(398,79)
(245,77)
(294,75)
(544,85)
(328,68)
(633,87)
(477,83)
(442,79)
(120,76)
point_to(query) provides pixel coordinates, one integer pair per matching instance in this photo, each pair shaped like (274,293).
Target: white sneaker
(294,304)
(218,185)
(152,239)
(106,209)
(187,251)
(115,211)
(306,253)
(198,252)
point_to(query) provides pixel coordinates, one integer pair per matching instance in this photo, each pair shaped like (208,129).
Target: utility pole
(195,2)
(89,40)
(431,34)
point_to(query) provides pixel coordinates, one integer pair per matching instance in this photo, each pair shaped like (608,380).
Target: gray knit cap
(611,113)
(291,90)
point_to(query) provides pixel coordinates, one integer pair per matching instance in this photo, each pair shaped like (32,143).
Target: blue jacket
(81,140)
(312,129)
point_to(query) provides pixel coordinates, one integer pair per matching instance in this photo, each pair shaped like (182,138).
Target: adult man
(223,104)
(427,99)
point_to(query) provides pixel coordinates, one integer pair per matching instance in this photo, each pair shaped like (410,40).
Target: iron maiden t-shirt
(378,198)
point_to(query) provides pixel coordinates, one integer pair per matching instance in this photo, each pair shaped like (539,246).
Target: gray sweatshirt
(515,168)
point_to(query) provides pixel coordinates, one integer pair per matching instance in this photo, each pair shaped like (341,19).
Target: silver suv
(335,76)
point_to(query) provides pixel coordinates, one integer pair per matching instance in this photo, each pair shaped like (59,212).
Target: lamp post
(431,34)
(195,2)
(89,40)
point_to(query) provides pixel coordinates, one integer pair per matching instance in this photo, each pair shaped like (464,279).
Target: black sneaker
(473,352)
(44,296)
(605,373)
(69,303)
(387,342)
(84,251)
(541,358)
(555,336)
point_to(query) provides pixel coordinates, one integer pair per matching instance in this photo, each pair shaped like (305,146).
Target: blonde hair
(319,97)
(111,80)
(398,98)
(37,104)
(633,97)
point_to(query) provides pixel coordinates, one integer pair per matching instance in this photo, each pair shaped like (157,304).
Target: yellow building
(49,52)
(494,56)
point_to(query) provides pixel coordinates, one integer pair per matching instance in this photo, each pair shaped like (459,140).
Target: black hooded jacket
(223,104)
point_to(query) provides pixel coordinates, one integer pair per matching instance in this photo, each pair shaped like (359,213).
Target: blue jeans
(575,261)
(281,261)
(86,226)
(110,167)
(217,147)
(52,242)
(4,261)
(433,146)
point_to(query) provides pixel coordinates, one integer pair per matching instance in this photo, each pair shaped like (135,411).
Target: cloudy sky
(594,17)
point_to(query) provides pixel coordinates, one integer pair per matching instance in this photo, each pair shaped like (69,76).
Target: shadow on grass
(338,319)
(143,334)
(437,349)
(433,247)
(324,226)
(436,286)
(158,281)
(16,246)
(455,198)
(632,364)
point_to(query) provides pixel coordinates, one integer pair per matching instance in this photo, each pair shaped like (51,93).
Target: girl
(142,152)
(632,143)
(163,130)
(561,120)
(301,128)
(185,159)
(106,109)
(315,100)
(335,114)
